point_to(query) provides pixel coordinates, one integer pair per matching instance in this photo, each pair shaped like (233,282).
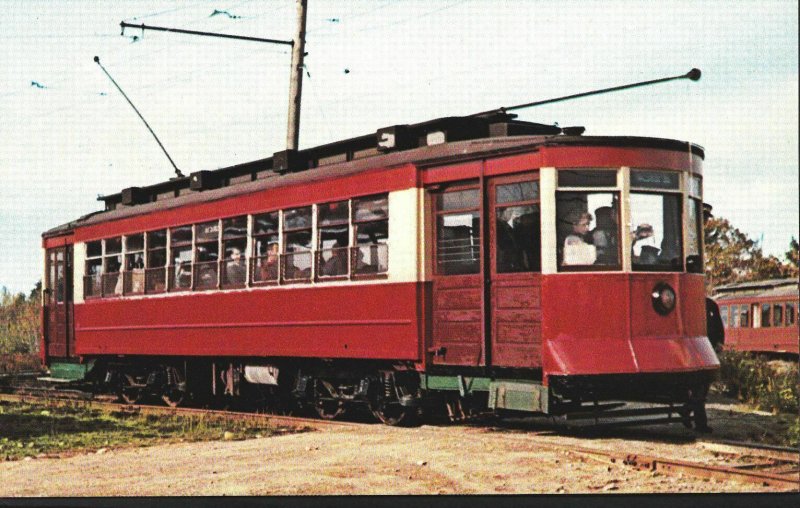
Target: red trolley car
(760,316)
(482,260)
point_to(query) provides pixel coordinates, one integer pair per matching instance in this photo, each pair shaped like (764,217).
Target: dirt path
(367,460)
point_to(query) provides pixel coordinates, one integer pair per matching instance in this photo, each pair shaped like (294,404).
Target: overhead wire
(151,53)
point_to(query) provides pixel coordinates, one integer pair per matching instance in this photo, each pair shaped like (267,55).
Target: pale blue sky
(216,103)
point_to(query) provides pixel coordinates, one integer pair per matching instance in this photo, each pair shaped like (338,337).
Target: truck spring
(388,385)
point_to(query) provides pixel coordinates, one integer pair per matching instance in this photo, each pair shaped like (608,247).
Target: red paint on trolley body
(606,324)
(375,321)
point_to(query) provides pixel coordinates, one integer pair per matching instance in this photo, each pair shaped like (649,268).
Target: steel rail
(651,463)
(281,420)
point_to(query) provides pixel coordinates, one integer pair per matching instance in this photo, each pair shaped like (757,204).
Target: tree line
(730,256)
(20,321)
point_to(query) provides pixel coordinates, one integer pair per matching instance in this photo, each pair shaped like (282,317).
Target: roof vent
(395,137)
(288,161)
(203,180)
(133,196)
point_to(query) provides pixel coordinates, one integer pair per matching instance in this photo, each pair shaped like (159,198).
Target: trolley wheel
(329,409)
(128,392)
(173,397)
(392,413)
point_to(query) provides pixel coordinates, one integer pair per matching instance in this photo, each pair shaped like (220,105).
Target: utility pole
(296,77)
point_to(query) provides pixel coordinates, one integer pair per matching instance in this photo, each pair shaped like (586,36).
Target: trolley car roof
(335,160)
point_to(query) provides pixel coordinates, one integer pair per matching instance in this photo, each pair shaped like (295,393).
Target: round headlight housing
(663,297)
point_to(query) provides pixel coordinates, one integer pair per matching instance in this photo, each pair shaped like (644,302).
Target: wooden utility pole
(296,77)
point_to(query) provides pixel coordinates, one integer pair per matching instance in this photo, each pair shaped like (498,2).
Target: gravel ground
(376,459)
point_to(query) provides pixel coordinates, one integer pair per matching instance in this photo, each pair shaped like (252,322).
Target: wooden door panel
(516,323)
(515,288)
(458,321)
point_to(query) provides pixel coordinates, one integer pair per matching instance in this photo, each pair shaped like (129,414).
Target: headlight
(663,298)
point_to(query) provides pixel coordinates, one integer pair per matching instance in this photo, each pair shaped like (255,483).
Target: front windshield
(656,232)
(588,231)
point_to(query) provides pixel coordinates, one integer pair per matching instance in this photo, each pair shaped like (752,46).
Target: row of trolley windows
(588,221)
(349,241)
(587,224)
(759,315)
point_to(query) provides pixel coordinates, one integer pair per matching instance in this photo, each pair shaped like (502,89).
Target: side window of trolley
(103,268)
(297,245)
(234,248)
(656,221)
(744,316)
(112,265)
(371,232)
(587,220)
(791,313)
(333,239)
(266,248)
(156,263)
(518,232)
(206,257)
(694,233)
(458,231)
(723,315)
(777,314)
(93,278)
(180,270)
(133,276)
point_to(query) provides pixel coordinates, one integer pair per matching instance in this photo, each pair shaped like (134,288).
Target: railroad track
(769,471)
(771,466)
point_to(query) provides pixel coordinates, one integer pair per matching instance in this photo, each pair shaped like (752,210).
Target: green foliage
(20,322)
(731,256)
(756,381)
(770,386)
(33,429)
(793,255)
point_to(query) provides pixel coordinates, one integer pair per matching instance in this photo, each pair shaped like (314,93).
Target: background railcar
(760,316)
(482,260)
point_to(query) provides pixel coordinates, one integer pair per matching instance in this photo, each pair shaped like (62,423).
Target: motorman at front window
(645,249)
(577,251)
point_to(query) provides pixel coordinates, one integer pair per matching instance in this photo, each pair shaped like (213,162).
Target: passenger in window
(235,270)
(645,250)
(269,267)
(508,252)
(577,251)
(183,274)
(604,236)
(137,275)
(363,266)
(337,263)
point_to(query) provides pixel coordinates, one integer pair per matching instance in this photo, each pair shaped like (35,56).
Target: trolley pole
(296,77)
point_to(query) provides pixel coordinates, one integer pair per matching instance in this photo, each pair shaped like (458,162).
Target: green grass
(30,430)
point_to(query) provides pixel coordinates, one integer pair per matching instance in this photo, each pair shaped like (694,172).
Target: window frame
(496,206)
(616,192)
(150,248)
(375,248)
(88,278)
(171,267)
(222,275)
(320,263)
(255,256)
(439,212)
(107,277)
(199,266)
(284,244)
